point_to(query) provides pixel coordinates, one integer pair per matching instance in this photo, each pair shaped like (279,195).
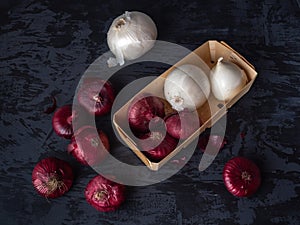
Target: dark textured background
(46,46)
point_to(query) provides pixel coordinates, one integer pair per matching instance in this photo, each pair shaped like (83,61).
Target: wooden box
(209,113)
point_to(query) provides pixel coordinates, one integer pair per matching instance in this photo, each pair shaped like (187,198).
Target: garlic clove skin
(227,80)
(187,87)
(130,36)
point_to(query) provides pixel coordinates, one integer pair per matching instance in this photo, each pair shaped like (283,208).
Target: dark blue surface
(45,49)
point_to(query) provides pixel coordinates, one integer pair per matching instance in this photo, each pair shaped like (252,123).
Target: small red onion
(104,195)
(156,145)
(215,141)
(241,177)
(89,146)
(96,96)
(183,124)
(62,121)
(143,110)
(52,177)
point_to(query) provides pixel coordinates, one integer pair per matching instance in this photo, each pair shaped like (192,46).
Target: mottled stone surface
(45,49)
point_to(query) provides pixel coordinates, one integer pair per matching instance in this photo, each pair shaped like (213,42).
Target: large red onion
(241,177)
(96,96)
(52,177)
(89,146)
(156,145)
(181,125)
(214,141)
(103,194)
(62,121)
(142,110)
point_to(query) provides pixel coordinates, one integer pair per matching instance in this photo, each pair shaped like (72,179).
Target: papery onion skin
(187,87)
(104,195)
(156,145)
(142,110)
(241,177)
(89,146)
(96,96)
(227,80)
(183,124)
(214,140)
(62,121)
(130,36)
(52,177)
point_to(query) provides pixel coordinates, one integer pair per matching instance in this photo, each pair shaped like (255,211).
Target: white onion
(186,87)
(227,80)
(130,36)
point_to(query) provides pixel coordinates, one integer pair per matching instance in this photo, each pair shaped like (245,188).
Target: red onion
(89,146)
(181,125)
(52,177)
(142,110)
(96,96)
(215,141)
(51,108)
(104,195)
(62,121)
(241,177)
(156,145)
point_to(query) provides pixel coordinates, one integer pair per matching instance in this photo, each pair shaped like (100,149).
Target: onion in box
(187,87)
(227,80)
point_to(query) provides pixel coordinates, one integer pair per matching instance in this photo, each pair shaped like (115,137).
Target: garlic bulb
(227,80)
(186,87)
(130,36)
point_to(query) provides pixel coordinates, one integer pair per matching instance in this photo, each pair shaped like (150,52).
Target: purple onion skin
(104,195)
(52,177)
(96,96)
(62,122)
(216,142)
(182,125)
(156,146)
(142,111)
(90,147)
(241,177)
